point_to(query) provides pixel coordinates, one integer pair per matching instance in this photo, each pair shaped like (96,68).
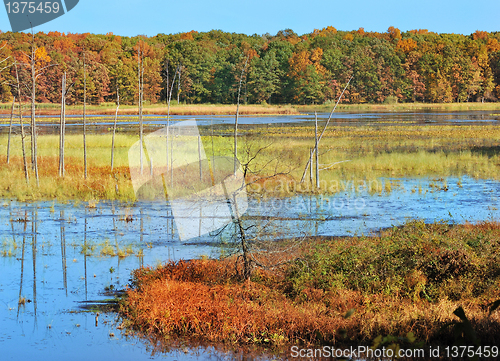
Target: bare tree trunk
(316,148)
(10,129)
(199,158)
(114,128)
(246,92)
(247,270)
(140,74)
(34,148)
(23,136)
(166,89)
(311,154)
(235,214)
(169,92)
(34,163)
(236,120)
(142,95)
(34,76)
(168,128)
(139,78)
(84,117)
(179,85)
(168,124)
(62,129)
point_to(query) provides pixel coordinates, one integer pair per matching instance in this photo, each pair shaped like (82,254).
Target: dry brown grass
(188,109)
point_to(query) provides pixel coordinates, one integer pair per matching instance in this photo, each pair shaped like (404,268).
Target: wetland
(387,177)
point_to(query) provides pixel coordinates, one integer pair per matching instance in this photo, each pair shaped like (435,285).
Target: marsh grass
(275,155)
(405,279)
(102,184)
(218,109)
(161,109)
(8,247)
(404,107)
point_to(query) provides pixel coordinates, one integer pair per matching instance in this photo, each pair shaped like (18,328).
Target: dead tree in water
(179,84)
(140,78)
(114,128)
(10,128)
(316,140)
(34,163)
(23,135)
(34,58)
(13,103)
(62,127)
(236,118)
(309,162)
(84,116)
(62,132)
(169,98)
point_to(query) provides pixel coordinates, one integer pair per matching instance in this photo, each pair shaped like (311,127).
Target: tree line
(207,67)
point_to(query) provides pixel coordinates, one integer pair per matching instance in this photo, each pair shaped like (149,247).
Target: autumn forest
(395,66)
(382,233)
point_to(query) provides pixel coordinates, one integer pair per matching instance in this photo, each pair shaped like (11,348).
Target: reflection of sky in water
(347,213)
(99,123)
(57,334)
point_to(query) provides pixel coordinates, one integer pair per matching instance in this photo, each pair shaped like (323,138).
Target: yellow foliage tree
(394,33)
(406,45)
(41,57)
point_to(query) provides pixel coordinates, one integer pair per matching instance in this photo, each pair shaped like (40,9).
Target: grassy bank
(406,279)
(250,109)
(160,109)
(402,107)
(102,182)
(370,152)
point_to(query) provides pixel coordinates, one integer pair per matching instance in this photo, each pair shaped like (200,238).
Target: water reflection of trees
(28,223)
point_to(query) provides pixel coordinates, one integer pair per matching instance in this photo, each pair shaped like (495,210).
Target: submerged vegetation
(408,278)
(109,249)
(8,247)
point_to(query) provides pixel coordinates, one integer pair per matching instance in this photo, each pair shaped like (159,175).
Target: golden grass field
(160,109)
(278,156)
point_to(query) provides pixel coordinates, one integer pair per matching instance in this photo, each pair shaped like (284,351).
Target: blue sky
(150,17)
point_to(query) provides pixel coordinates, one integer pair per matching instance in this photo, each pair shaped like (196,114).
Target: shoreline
(253,109)
(404,107)
(159,109)
(332,292)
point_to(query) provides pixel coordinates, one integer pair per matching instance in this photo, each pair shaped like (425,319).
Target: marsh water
(61,259)
(102,123)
